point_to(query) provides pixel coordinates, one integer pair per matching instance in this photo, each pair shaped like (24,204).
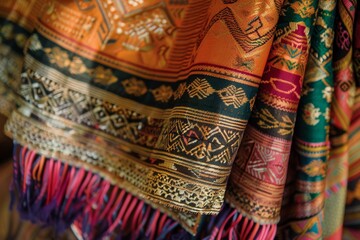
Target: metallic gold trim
(169,76)
(76,150)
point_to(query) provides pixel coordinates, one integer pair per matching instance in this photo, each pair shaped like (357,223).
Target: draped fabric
(341,115)
(303,212)
(259,172)
(181,119)
(352,215)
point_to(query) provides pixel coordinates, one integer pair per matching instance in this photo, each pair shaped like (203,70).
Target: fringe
(54,193)
(231,224)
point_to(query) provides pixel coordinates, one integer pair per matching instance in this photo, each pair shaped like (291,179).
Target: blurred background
(12,228)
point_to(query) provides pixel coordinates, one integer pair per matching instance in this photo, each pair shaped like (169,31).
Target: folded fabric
(180,119)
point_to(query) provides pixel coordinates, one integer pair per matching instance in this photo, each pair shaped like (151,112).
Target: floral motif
(327,93)
(134,86)
(58,57)
(162,93)
(311,114)
(103,76)
(77,66)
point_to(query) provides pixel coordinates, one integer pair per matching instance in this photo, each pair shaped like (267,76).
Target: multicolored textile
(305,191)
(131,92)
(341,114)
(259,172)
(181,119)
(352,211)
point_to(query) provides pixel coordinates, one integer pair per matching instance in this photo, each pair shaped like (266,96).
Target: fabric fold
(184,119)
(341,114)
(149,100)
(259,173)
(304,197)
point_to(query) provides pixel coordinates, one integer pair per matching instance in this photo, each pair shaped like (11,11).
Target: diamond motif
(233,96)
(200,88)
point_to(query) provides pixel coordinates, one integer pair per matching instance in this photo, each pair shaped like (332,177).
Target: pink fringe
(56,193)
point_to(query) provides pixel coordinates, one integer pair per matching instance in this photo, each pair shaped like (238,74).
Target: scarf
(180,119)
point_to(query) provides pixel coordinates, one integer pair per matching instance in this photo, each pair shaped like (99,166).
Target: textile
(341,114)
(303,203)
(13,227)
(264,152)
(352,199)
(181,119)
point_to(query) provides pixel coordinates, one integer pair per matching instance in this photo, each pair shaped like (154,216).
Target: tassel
(231,224)
(54,193)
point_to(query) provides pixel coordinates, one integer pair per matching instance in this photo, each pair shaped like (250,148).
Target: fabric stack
(184,119)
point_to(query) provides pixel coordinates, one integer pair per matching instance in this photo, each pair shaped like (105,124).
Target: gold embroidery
(180,91)
(200,88)
(311,114)
(134,86)
(205,143)
(167,189)
(58,57)
(144,30)
(327,37)
(267,120)
(252,102)
(251,189)
(327,93)
(315,168)
(95,27)
(233,96)
(103,76)
(321,22)
(162,93)
(77,66)
(303,8)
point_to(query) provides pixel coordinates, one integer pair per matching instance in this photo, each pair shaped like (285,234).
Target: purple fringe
(56,194)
